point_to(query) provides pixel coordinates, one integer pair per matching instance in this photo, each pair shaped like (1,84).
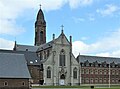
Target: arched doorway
(62,79)
(62,76)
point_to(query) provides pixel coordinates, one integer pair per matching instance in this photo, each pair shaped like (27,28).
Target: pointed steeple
(40,28)
(40,15)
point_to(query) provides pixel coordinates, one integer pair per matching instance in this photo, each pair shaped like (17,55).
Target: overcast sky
(93,24)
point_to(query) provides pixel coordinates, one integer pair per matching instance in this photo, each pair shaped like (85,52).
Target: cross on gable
(62,27)
(40,6)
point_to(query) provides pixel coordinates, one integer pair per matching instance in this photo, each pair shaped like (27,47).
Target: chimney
(53,36)
(71,40)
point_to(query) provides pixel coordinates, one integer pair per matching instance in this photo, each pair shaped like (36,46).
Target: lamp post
(109,75)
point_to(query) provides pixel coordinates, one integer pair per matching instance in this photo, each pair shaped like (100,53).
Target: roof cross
(62,27)
(40,6)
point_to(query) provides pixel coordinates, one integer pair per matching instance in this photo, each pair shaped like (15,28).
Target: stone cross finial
(62,27)
(40,6)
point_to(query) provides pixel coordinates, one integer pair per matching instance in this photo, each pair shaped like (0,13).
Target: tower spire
(40,28)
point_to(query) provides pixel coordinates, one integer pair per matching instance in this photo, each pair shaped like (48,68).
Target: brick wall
(14,83)
(95,75)
(36,73)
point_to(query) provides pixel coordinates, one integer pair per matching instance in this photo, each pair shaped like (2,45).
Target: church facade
(56,56)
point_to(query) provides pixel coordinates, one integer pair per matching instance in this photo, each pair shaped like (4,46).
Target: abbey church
(53,63)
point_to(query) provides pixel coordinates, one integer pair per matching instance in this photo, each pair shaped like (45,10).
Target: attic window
(36,61)
(31,62)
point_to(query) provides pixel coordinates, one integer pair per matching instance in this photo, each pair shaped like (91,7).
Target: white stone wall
(53,62)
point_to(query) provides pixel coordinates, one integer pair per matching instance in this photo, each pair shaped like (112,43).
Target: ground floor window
(23,83)
(96,80)
(5,83)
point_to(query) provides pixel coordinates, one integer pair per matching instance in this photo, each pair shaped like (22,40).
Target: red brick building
(99,70)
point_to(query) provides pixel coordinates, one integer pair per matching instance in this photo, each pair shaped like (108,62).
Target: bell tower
(40,28)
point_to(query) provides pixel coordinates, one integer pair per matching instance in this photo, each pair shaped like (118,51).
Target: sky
(93,24)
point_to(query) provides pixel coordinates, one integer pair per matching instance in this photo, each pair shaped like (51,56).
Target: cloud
(78,19)
(76,3)
(11,10)
(108,46)
(109,10)
(10,28)
(6,44)
(84,38)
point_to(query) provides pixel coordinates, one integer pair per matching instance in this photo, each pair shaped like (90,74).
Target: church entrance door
(62,79)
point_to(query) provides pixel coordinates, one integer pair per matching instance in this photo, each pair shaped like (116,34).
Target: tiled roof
(91,59)
(45,46)
(13,66)
(26,48)
(31,57)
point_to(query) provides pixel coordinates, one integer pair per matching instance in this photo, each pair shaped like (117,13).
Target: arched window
(5,83)
(23,83)
(62,58)
(75,73)
(48,72)
(41,36)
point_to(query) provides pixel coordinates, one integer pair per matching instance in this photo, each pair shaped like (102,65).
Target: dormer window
(87,63)
(26,49)
(31,62)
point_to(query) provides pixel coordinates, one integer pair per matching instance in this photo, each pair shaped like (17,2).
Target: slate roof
(91,59)
(13,66)
(26,47)
(45,46)
(31,57)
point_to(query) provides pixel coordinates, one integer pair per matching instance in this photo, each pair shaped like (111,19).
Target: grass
(80,87)
(61,87)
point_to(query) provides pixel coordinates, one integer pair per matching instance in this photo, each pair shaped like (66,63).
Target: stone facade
(59,73)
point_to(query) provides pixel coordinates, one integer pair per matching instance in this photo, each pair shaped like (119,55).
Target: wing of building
(53,63)
(13,71)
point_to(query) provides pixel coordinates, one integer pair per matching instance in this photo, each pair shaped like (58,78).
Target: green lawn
(109,88)
(80,87)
